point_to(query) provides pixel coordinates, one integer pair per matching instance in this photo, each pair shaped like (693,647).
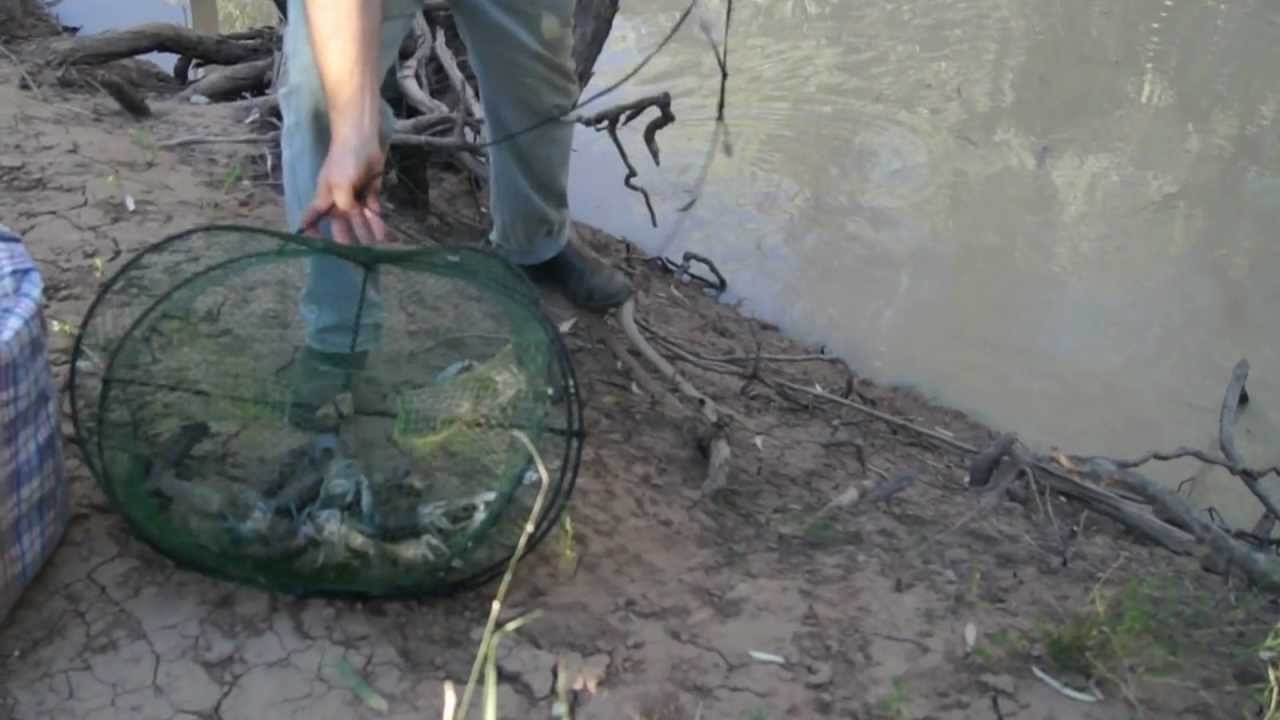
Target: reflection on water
(1059,216)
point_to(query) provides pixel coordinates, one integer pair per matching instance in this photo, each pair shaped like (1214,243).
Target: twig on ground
(609,121)
(718,451)
(882,416)
(225,140)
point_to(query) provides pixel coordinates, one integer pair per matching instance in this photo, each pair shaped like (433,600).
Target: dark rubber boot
(583,278)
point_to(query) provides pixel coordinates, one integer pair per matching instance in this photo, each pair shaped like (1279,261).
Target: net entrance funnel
(314,419)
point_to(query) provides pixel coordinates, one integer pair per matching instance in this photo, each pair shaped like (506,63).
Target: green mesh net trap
(316,419)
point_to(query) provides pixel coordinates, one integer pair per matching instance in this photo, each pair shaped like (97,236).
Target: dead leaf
(567,326)
(970,636)
(129,203)
(759,441)
(767,657)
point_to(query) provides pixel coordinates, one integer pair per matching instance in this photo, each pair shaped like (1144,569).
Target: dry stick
(884,417)
(501,594)
(23,72)
(230,140)
(641,377)
(719,451)
(742,357)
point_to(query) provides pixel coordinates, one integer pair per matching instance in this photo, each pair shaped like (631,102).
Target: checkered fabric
(34,505)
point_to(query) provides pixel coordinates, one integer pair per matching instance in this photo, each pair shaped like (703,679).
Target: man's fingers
(376,225)
(341,230)
(314,213)
(360,226)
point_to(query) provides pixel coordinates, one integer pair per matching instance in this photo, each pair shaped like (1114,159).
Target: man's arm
(345,38)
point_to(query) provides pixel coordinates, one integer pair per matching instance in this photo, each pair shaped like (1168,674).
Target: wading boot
(583,278)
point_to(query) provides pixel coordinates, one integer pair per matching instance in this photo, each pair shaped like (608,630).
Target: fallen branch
(234,81)
(1264,571)
(610,120)
(125,96)
(114,45)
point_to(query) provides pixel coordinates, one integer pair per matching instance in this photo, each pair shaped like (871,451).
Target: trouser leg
(522,55)
(331,297)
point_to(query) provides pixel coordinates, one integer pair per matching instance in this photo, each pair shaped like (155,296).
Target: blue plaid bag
(34,502)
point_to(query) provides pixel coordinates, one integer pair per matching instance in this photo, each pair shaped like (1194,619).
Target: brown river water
(1061,216)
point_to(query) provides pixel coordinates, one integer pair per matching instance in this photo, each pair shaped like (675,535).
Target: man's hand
(347,190)
(344,41)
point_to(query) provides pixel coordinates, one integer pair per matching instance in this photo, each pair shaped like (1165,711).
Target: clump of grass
(1269,653)
(1146,632)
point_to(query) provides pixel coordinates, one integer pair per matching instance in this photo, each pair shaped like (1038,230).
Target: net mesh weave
(234,448)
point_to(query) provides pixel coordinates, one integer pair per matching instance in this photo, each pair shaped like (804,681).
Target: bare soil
(659,597)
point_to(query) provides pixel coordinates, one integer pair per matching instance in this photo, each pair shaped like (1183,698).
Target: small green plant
(568,546)
(821,530)
(1149,632)
(1119,634)
(143,138)
(232,176)
(894,705)
(1269,652)
(62,328)
(756,714)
